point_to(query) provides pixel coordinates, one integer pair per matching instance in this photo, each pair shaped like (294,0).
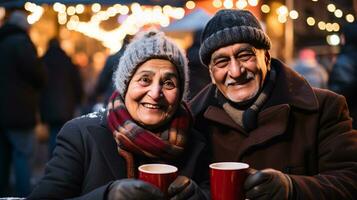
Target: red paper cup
(227,179)
(160,175)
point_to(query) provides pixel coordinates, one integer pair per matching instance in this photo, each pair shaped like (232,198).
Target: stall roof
(195,20)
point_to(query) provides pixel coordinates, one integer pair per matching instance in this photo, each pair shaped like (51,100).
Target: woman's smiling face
(153,93)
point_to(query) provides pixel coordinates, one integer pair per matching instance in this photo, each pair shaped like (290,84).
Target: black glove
(184,188)
(132,189)
(267,184)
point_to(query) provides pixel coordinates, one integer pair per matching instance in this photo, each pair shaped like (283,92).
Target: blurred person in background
(62,96)
(198,72)
(308,66)
(104,87)
(343,78)
(146,121)
(22,76)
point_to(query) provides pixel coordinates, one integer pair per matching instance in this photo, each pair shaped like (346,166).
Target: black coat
(22,76)
(86,161)
(64,89)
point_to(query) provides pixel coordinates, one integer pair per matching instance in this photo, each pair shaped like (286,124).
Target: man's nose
(235,68)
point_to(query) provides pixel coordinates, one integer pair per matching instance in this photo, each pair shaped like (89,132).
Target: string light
(336,27)
(217,3)
(228,4)
(293,14)
(241,4)
(71,10)
(282,10)
(160,15)
(350,18)
(253,2)
(265,8)
(190,5)
(282,18)
(310,21)
(329,27)
(331,7)
(338,13)
(333,40)
(79,8)
(96,7)
(321,25)
(62,18)
(140,16)
(36,12)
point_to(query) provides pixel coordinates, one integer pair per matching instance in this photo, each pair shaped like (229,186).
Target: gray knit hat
(230,26)
(150,45)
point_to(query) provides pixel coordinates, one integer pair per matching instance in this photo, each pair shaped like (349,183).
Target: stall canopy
(195,20)
(19,3)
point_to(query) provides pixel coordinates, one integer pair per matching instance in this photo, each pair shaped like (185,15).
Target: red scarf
(135,139)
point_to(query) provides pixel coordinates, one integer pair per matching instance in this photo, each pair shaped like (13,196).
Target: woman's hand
(132,189)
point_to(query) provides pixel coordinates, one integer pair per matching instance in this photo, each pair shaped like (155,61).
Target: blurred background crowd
(57,58)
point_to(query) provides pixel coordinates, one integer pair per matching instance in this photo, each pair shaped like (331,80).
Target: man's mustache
(247,75)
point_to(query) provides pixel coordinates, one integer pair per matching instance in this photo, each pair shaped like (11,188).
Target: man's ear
(211,75)
(267,59)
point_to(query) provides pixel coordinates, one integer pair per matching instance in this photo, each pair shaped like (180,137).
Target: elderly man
(258,111)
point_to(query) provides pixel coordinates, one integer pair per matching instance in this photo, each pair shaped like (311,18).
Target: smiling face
(239,70)
(153,93)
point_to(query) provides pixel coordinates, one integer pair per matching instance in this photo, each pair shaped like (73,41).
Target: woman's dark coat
(86,161)
(302,131)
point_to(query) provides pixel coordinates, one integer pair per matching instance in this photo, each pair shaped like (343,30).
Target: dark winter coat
(21,77)
(302,131)
(64,89)
(86,161)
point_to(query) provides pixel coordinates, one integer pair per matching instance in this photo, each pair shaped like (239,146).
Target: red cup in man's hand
(227,180)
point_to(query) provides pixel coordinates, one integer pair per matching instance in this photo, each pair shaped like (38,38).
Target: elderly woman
(146,121)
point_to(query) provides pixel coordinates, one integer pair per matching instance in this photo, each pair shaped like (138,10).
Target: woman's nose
(155,91)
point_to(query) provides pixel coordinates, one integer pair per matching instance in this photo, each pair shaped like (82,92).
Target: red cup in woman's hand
(160,175)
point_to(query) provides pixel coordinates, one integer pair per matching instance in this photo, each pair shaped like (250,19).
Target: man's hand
(132,189)
(267,184)
(184,188)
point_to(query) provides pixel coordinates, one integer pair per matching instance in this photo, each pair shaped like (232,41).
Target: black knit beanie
(230,26)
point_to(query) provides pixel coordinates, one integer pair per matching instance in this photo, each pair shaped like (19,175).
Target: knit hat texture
(150,45)
(228,27)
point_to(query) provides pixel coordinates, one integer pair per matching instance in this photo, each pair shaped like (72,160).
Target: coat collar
(290,88)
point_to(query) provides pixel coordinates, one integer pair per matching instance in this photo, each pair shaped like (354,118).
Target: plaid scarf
(134,139)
